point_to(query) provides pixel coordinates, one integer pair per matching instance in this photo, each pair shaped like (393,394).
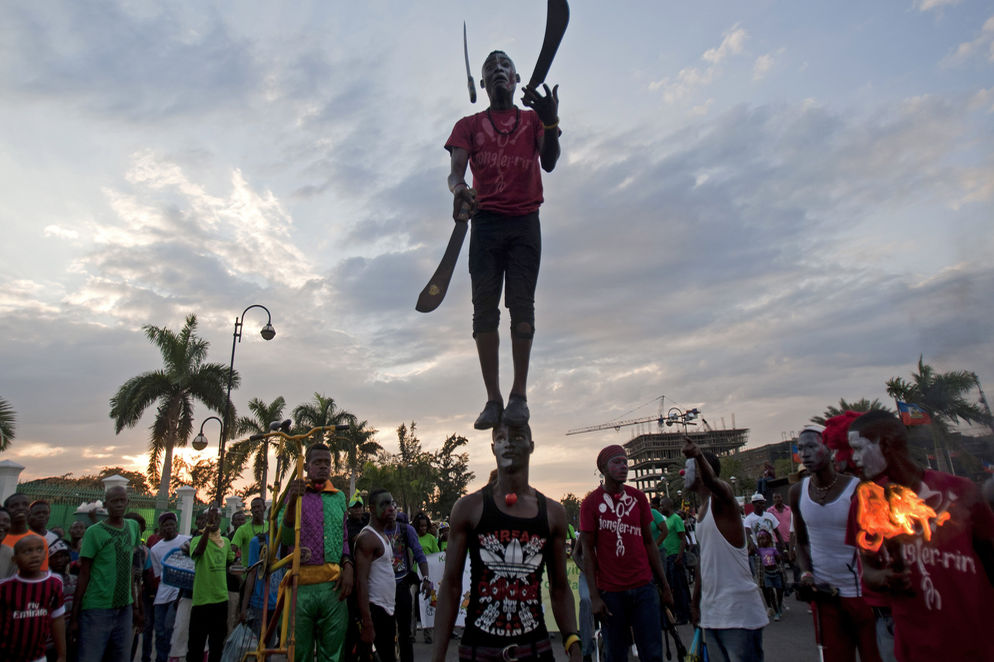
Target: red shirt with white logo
(504,158)
(616,522)
(948,615)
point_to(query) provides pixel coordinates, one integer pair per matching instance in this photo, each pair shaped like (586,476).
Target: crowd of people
(100,593)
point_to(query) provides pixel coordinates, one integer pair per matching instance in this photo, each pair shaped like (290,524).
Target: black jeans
(402,614)
(208,624)
(385,628)
(504,249)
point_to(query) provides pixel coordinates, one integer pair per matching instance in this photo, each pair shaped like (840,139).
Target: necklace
(517,118)
(823,491)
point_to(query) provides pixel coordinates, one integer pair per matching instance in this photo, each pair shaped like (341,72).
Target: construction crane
(675,416)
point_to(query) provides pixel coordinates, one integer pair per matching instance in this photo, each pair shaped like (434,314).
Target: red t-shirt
(948,615)
(616,520)
(505,168)
(27,608)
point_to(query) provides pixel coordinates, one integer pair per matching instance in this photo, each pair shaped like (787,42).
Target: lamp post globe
(268,332)
(199,442)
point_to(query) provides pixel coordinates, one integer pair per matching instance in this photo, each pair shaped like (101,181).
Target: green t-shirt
(112,551)
(671,543)
(210,579)
(429,544)
(657,517)
(243,536)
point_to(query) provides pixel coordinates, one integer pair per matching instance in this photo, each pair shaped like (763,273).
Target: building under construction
(656,457)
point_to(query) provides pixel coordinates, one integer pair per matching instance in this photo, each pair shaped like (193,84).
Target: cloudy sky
(761,207)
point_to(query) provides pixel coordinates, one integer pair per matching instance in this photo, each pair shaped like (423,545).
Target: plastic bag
(240,641)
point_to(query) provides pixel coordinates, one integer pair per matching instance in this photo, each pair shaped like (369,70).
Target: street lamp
(268,333)
(200,441)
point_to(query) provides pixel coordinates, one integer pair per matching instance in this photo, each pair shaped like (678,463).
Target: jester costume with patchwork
(507,559)
(321,617)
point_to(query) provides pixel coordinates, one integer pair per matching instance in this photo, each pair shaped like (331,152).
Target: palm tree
(321,411)
(262,415)
(6,424)
(941,394)
(356,446)
(861,405)
(185,378)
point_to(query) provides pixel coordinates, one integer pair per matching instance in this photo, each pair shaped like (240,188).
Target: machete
(557,18)
(469,74)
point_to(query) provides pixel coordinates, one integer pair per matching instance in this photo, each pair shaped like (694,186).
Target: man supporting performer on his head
(620,558)
(512,532)
(504,147)
(325,566)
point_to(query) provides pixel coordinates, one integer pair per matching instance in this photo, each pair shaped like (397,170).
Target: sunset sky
(761,207)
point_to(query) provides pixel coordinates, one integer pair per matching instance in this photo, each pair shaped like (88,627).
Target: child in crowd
(772,575)
(58,564)
(31,606)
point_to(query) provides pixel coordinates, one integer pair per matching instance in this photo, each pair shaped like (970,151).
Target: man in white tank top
(727,603)
(375,583)
(821,503)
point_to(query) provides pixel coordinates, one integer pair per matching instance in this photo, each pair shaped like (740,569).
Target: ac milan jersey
(507,557)
(27,608)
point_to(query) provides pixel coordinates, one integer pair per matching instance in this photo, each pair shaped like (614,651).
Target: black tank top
(507,558)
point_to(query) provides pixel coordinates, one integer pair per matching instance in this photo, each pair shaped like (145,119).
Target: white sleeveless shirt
(730,597)
(831,557)
(382,587)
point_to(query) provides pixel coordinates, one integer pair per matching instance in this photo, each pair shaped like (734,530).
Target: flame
(890,512)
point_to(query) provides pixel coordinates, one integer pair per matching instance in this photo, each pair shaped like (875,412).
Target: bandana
(614,450)
(836,437)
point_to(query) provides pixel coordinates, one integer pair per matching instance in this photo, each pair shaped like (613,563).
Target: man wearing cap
(756,521)
(621,557)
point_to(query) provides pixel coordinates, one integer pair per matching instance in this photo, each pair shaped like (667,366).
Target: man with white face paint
(939,585)
(727,603)
(821,504)
(621,558)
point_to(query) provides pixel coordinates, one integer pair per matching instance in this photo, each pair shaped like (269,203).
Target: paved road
(790,640)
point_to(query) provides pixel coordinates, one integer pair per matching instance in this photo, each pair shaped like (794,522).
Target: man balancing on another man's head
(504,147)
(511,532)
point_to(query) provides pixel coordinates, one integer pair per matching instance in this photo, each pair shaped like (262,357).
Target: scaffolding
(654,457)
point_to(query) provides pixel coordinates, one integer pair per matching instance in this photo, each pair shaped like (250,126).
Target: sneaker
(776,616)
(490,416)
(516,414)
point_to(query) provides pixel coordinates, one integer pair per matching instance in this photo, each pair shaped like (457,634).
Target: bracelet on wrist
(550,127)
(452,189)
(571,638)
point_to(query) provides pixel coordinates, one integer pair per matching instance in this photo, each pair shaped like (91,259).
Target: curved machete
(557,18)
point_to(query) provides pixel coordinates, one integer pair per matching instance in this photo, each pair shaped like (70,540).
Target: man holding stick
(504,146)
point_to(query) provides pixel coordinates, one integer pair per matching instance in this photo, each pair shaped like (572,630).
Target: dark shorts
(539,651)
(772,579)
(504,249)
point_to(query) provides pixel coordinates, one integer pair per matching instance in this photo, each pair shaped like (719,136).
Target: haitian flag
(912,414)
(795,456)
